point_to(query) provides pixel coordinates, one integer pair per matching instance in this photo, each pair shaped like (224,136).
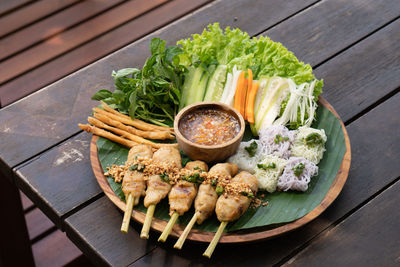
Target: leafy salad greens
(209,67)
(152,94)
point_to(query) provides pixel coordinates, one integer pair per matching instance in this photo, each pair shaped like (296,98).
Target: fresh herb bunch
(153,93)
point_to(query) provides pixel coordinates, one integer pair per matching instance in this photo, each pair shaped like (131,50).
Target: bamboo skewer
(147,222)
(167,230)
(186,232)
(127,214)
(210,249)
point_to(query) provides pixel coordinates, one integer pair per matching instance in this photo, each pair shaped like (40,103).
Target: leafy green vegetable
(137,167)
(266,58)
(265,167)
(247,194)
(152,94)
(194,178)
(165,177)
(298,169)
(251,149)
(278,139)
(314,139)
(219,190)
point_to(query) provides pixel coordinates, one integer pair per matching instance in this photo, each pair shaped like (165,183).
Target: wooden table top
(353,45)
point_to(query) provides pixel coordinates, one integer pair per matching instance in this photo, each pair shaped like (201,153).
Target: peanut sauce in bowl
(209,131)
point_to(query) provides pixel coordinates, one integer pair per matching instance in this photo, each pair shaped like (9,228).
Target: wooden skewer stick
(147,222)
(127,214)
(209,251)
(186,232)
(163,237)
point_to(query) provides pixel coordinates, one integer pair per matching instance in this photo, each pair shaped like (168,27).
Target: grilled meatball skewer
(231,206)
(133,184)
(181,197)
(207,198)
(157,188)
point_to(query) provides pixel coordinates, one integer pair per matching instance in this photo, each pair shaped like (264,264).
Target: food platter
(240,236)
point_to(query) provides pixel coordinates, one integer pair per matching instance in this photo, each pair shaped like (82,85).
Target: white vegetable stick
(228,85)
(231,95)
(260,93)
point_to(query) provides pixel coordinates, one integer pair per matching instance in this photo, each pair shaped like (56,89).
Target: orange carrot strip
(238,92)
(249,87)
(250,103)
(243,98)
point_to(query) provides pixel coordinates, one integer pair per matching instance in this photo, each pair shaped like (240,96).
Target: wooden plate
(247,235)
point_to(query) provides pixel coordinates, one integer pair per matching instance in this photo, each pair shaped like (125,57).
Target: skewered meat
(231,206)
(157,188)
(207,197)
(133,182)
(183,192)
(139,151)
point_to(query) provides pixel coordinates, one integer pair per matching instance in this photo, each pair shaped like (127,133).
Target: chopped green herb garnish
(165,177)
(247,194)
(265,167)
(194,178)
(213,182)
(251,149)
(136,167)
(298,169)
(197,169)
(219,190)
(279,138)
(314,139)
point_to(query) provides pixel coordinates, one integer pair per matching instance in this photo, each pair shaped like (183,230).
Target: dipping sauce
(206,126)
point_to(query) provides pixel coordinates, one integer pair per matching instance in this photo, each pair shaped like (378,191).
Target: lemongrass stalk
(209,251)
(163,237)
(185,232)
(147,222)
(127,214)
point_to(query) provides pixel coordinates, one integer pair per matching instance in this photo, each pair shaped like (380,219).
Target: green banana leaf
(283,207)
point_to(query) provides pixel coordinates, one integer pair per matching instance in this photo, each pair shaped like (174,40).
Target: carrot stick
(250,102)
(249,87)
(239,91)
(243,98)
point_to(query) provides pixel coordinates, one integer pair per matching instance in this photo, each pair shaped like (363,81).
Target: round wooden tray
(248,235)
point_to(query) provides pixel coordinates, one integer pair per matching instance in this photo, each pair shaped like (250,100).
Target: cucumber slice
(215,86)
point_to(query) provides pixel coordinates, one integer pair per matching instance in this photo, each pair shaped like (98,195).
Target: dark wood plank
(362,74)
(61,180)
(363,182)
(31,13)
(95,49)
(74,37)
(96,231)
(15,247)
(70,98)
(37,223)
(330,26)
(8,6)
(52,25)
(369,237)
(54,250)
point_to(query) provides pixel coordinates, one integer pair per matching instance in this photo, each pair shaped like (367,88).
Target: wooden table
(353,45)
